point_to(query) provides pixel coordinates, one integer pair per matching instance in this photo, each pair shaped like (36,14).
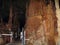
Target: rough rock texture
(1,41)
(41,31)
(34,8)
(34,31)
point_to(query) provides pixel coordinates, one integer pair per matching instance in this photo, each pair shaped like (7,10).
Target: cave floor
(15,43)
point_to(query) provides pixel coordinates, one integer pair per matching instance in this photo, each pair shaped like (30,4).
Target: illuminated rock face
(34,9)
(41,24)
(34,29)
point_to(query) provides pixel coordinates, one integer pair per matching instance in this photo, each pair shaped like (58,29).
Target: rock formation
(41,31)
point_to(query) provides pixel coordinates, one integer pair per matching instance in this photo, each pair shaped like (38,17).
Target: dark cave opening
(18,9)
(17,5)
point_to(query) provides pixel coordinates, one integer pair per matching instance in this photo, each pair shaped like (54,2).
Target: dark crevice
(5,10)
(59,3)
(48,2)
(53,1)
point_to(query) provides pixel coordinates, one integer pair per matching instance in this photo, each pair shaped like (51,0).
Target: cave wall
(41,23)
(58,14)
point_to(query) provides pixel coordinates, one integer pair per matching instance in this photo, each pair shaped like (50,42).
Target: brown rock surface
(41,29)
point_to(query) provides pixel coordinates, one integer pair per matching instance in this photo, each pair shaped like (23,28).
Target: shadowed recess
(59,3)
